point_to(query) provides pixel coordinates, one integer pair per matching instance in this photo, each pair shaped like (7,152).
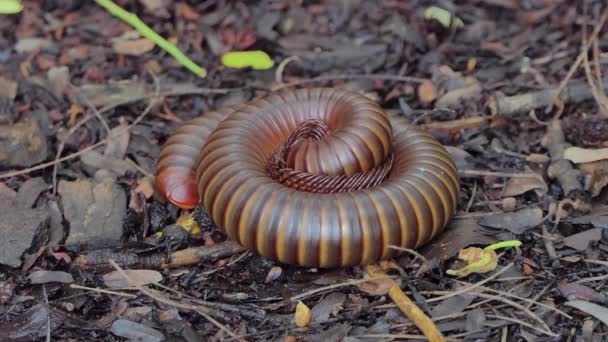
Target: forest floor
(79,206)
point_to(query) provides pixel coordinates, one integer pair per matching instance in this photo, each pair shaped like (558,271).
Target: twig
(408,307)
(498,174)
(600,98)
(473,286)
(560,168)
(160,298)
(48,317)
(333,286)
(147,32)
(84,150)
(98,259)
(523,103)
(96,289)
(411,251)
(527,325)
(579,59)
(590,279)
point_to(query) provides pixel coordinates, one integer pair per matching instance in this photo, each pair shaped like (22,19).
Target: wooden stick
(408,307)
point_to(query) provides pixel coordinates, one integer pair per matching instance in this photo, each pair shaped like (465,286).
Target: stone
(95,212)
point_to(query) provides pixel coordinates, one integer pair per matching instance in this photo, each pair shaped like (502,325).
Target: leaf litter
(532,167)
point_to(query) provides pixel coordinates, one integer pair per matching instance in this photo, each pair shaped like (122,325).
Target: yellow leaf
(258,60)
(189,224)
(10,7)
(478,261)
(442,16)
(303,315)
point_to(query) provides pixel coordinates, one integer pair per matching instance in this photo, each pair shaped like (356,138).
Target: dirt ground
(514,89)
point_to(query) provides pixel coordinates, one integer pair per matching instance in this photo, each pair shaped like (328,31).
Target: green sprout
(10,7)
(147,32)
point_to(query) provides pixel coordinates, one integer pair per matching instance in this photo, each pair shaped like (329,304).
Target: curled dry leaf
(303,315)
(273,274)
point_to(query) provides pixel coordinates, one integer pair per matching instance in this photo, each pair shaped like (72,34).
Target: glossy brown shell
(219,160)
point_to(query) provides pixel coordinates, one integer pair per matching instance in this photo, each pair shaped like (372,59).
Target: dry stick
(517,306)
(518,321)
(524,103)
(160,298)
(185,91)
(568,177)
(579,59)
(189,256)
(596,63)
(600,98)
(96,289)
(408,307)
(590,279)
(473,286)
(485,173)
(335,286)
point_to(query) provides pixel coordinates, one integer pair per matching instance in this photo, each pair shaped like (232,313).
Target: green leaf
(442,16)
(10,7)
(258,60)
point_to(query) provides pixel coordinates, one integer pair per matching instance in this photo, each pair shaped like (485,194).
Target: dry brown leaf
(118,141)
(427,91)
(598,175)
(146,187)
(303,315)
(519,185)
(580,155)
(135,47)
(273,274)
(116,279)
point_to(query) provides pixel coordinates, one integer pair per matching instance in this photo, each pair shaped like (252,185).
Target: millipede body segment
(314,177)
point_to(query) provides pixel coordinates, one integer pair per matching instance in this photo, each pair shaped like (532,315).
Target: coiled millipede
(314,177)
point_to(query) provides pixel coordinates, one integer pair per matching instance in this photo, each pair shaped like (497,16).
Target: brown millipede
(306,210)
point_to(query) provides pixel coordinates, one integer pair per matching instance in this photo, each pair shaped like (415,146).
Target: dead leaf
(520,185)
(598,172)
(116,280)
(43,277)
(580,155)
(145,187)
(572,291)
(594,310)
(118,141)
(303,315)
(509,204)
(273,274)
(459,234)
(135,47)
(581,241)
(427,92)
(516,222)
(330,305)
(8,88)
(376,287)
